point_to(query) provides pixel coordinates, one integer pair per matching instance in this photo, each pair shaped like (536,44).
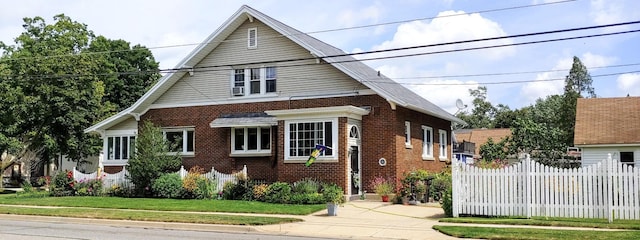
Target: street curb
(137,224)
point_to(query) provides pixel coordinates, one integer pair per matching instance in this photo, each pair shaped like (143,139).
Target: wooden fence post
(609,188)
(455,180)
(528,187)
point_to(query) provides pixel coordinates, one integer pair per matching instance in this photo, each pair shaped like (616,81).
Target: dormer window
(252,38)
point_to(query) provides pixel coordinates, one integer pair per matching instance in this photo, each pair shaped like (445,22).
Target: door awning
(244,120)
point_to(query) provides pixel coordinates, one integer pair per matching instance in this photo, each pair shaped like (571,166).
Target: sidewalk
(367,220)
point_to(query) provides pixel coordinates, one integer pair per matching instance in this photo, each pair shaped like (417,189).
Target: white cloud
(444,93)
(542,87)
(629,84)
(448,28)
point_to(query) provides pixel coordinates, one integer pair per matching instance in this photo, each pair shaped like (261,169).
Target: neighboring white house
(608,125)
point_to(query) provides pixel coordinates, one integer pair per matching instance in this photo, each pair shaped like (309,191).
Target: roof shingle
(607,121)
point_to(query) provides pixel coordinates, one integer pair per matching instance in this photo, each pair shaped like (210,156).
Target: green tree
(483,112)
(492,150)
(577,83)
(127,72)
(151,159)
(539,132)
(61,100)
(53,83)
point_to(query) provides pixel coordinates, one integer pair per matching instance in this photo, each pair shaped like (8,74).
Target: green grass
(540,221)
(163,204)
(531,234)
(117,214)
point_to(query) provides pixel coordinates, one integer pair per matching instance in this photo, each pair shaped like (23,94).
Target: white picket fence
(119,179)
(608,190)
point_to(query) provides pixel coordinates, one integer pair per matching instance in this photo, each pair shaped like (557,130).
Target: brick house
(608,125)
(262,94)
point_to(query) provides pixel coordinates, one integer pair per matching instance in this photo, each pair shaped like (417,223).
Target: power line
(284,35)
(226,66)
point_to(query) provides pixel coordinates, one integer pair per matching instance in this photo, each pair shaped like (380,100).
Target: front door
(355,170)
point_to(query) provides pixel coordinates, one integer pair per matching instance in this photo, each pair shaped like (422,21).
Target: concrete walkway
(367,220)
(356,220)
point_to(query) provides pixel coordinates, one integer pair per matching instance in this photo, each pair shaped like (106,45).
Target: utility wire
(285,35)
(226,66)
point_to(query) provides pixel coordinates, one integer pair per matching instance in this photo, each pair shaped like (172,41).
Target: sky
(515,75)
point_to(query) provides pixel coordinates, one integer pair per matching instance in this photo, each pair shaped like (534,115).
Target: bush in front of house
(259,192)
(278,192)
(91,187)
(240,190)
(306,186)
(206,188)
(168,185)
(439,185)
(151,159)
(447,202)
(63,184)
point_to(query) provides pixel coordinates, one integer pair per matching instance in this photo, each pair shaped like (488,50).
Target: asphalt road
(17,229)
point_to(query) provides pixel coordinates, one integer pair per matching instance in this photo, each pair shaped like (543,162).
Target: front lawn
(541,221)
(533,234)
(155,216)
(229,206)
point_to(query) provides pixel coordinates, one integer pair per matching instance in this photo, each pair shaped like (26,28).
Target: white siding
(129,124)
(593,155)
(213,85)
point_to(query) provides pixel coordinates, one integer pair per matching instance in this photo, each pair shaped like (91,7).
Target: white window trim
(245,152)
(407,134)
(105,146)
(301,159)
(247,83)
(255,39)
(443,147)
(184,131)
(107,161)
(427,147)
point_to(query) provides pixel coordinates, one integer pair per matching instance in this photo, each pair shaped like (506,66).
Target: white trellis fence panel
(609,189)
(120,179)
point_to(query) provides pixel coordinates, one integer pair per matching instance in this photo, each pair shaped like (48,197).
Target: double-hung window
(443,145)
(302,137)
(120,147)
(180,140)
(253,81)
(407,134)
(270,79)
(251,140)
(427,142)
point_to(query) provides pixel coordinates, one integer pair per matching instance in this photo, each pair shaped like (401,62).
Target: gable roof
(607,121)
(383,86)
(481,135)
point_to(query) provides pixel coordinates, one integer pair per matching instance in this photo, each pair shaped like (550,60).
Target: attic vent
(252,38)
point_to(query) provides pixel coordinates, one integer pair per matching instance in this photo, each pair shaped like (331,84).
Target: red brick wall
(382,137)
(112,169)
(409,159)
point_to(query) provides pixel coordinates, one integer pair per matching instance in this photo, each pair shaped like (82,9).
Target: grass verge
(163,204)
(533,234)
(116,214)
(559,222)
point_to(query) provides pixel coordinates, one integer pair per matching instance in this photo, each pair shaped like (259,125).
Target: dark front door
(355,170)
